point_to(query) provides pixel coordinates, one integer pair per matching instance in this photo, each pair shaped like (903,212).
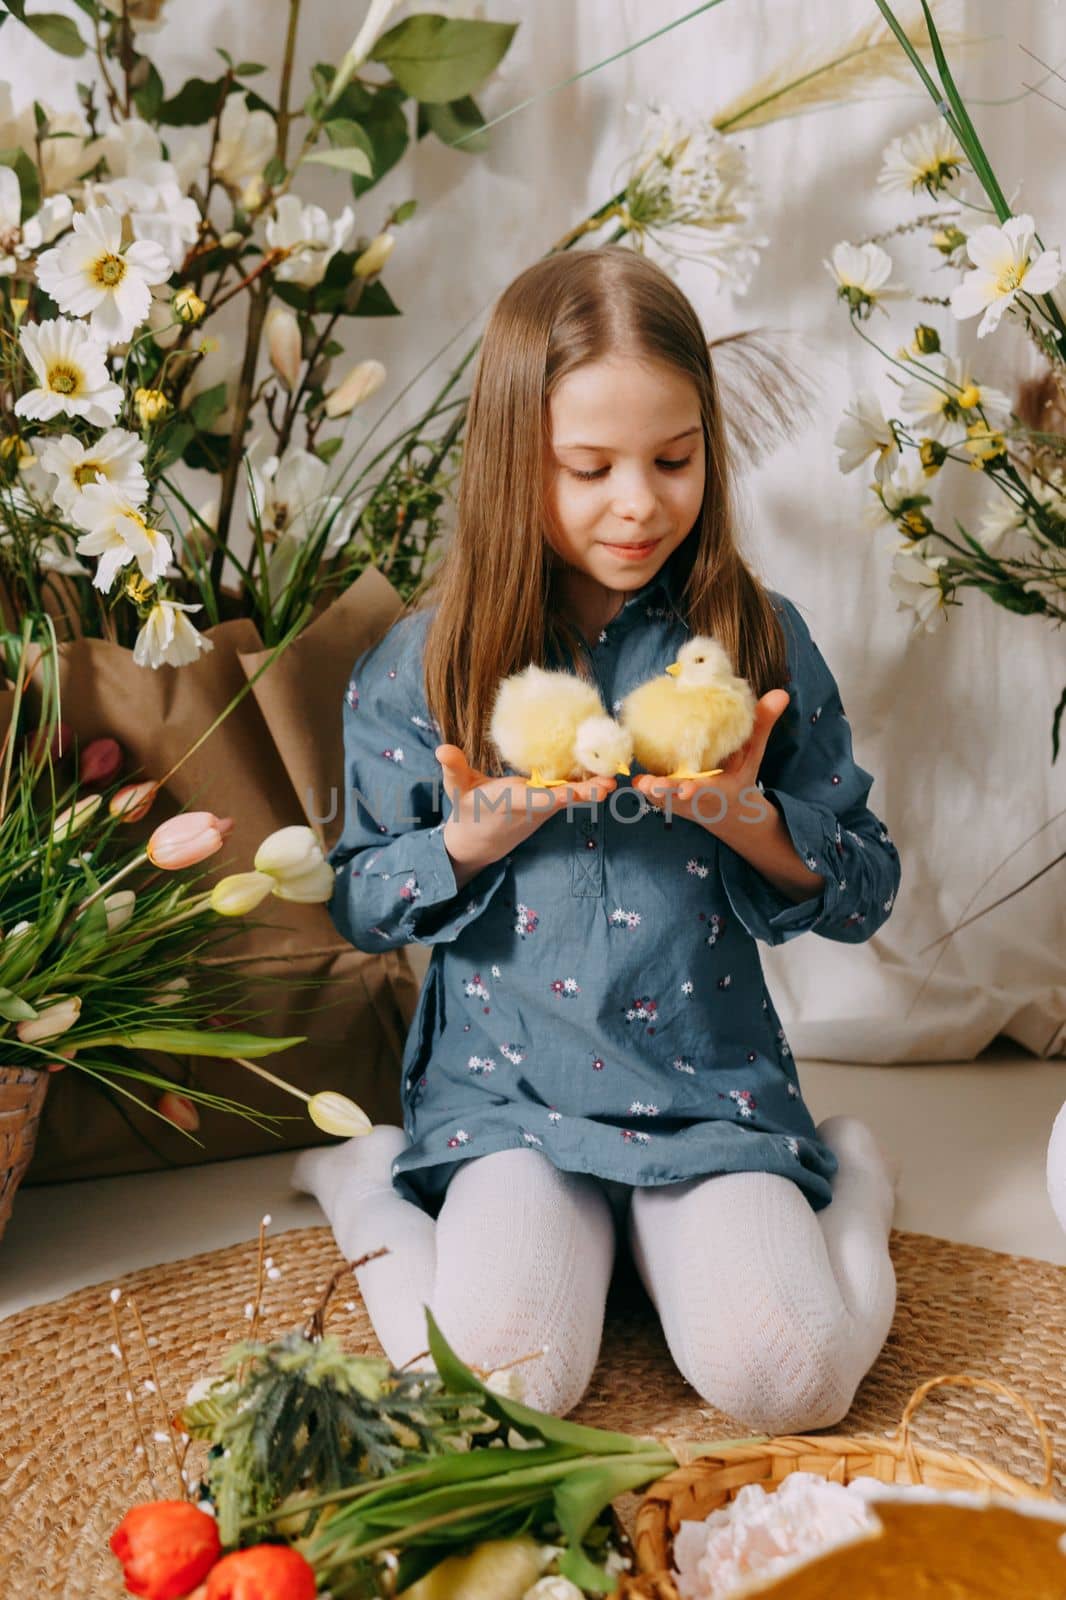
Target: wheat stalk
(840,72)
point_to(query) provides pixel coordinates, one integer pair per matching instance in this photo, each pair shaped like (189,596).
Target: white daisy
(116,456)
(309,236)
(861,273)
(1001,256)
(71,371)
(915,580)
(246,142)
(91,275)
(168,638)
(945,408)
(864,431)
(929,158)
(118,534)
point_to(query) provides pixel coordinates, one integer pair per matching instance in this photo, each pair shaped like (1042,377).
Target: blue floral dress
(598,993)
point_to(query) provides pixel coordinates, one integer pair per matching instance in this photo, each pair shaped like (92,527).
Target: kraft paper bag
(354,1007)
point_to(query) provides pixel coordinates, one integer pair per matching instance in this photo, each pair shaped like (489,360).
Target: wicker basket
(22,1092)
(704,1484)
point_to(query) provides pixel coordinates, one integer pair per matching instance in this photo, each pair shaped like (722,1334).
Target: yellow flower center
(1011,278)
(86,473)
(969,397)
(64,379)
(109,271)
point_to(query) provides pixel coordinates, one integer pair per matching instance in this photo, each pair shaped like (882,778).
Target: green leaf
(351,159)
(17,8)
(345,131)
(438,59)
(13,1008)
(326,449)
(58,33)
(376,302)
(195,103)
(174,441)
(404,212)
(385,121)
(148,98)
(189,1042)
(458,119)
(274,172)
(538,1424)
(208,405)
(249,69)
(579,1500)
(29,179)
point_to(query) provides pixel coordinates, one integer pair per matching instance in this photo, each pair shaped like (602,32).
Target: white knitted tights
(772,1311)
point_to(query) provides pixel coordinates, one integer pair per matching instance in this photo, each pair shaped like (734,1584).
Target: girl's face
(625,469)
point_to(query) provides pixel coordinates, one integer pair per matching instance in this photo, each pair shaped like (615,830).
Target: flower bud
(151,405)
(187,839)
(932,455)
(54,1017)
(926,340)
(283,345)
(101,760)
(335,1113)
(75,817)
(166,1548)
(365,379)
(178,1109)
(188,307)
(133,802)
(240,893)
(118,908)
(374,257)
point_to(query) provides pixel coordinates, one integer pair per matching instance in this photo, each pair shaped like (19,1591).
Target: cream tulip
(365,379)
(74,818)
(54,1016)
(284,345)
(240,893)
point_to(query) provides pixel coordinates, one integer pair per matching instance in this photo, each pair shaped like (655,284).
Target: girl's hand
(490,816)
(710,801)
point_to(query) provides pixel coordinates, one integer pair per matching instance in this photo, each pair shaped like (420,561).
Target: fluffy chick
(685,724)
(552,725)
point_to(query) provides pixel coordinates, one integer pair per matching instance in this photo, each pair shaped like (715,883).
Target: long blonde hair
(494,588)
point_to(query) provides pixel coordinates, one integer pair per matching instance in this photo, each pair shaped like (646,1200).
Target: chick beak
(623,770)
(674,668)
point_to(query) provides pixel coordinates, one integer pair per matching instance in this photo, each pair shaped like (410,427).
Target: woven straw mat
(68,1461)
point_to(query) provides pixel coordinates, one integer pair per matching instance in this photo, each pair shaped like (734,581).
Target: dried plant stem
(158,1392)
(132,1392)
(285,85)
(316,1323)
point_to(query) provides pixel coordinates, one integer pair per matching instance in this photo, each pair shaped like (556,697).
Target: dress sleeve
(394,881)
(809,773)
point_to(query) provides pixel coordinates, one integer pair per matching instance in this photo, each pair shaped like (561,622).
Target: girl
(595,1047)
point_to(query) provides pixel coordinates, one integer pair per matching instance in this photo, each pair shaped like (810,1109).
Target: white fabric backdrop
(955,727)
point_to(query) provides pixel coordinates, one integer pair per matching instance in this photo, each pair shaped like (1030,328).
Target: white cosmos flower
(864,431)
(18,239)
(929,158)
(246,142)
(71,370)
(1001,257)
(118,534)
(116,456)
(861,273)
(906,489)
(914,579)
(168,638)
(946,407)
(309,235)
(90,275)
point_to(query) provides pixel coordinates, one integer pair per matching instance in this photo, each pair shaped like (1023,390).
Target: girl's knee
(809,1390)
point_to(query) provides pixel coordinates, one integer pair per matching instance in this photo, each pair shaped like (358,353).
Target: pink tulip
(133,802)
(101,761)
(186,839)
(178,1109)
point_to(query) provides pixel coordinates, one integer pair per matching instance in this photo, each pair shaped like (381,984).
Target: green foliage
(300,1417)
(195,103)
(438,59)
(57,32)
(455,120)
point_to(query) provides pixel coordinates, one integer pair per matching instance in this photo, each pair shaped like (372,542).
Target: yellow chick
(683,725)
(552,726)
